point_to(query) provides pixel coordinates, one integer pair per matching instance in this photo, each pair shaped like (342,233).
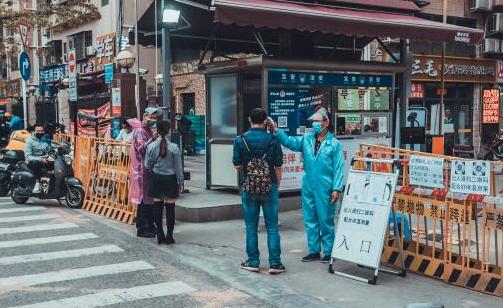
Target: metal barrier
(453,237)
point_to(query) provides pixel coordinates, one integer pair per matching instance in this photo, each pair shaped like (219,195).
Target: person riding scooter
(36,151)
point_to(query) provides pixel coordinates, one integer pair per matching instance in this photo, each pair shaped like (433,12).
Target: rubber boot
(170,221)
(158,211)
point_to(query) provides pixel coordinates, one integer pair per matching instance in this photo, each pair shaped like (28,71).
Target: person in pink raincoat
(143,135)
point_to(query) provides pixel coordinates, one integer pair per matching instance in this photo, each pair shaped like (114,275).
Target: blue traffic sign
(25,66)
(109,73)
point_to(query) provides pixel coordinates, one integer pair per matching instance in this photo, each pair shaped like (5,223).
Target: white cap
(320,115)
(153,110)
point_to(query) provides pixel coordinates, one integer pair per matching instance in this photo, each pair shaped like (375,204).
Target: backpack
(258,180)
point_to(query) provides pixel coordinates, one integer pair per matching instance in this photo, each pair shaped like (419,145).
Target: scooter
(55,184)
(493,148)
(8,161)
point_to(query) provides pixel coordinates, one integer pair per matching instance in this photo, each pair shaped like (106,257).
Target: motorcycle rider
(36,151)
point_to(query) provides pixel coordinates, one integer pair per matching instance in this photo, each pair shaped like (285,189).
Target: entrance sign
(490,106)
(72,75)
(471,177)
(426,171)
(364,217)
(25,66)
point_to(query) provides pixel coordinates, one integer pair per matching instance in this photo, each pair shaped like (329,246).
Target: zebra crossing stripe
(42,227)
(48,240)
(22,209)
(73,274)
(63,254)
(29,218)
(117,296)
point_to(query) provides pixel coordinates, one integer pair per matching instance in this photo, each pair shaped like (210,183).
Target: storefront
(462,114)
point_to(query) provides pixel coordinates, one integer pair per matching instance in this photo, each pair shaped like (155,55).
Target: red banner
(86,126)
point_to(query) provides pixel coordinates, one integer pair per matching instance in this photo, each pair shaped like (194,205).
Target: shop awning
(317,18)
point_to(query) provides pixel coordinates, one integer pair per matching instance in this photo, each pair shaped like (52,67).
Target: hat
(153,110)
(320,115)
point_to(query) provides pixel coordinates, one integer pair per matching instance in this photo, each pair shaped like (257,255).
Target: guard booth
(306,56)
(360,98)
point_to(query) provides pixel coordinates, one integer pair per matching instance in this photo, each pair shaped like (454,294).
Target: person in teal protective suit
(321,185)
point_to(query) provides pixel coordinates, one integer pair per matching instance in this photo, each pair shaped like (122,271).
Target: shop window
(349,124)
(375,124)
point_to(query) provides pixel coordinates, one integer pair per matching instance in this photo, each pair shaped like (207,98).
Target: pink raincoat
(140,179)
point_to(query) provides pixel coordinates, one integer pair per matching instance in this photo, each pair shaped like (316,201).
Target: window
(189,103)
(104,2)
(80,42)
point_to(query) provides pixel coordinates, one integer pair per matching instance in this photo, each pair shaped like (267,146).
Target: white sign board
(364,217)
(72,75)
(426,171)
(471,177)
(293,170)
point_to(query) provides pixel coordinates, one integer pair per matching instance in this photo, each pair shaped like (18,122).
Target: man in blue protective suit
(321,185)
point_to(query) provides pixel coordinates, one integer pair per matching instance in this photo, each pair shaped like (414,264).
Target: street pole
(442,76)
(137,87)
(166,72)
(25,103)
(156,52)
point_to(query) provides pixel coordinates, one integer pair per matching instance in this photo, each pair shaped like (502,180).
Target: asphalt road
(51,256)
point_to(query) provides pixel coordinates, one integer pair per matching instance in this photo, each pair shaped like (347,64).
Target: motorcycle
(8,161)
(493,149)
(55,184)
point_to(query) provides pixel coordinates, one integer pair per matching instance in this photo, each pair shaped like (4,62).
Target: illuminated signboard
(491,106)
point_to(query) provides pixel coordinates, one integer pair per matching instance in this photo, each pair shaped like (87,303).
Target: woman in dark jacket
(163,159)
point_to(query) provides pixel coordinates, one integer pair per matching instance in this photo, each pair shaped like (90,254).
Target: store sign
(426,171)
(428,68)
(471,177)
(490,106)
(4,101)
(13,88)
(87,127)
(329,79)
(52,74)
(116,102)
(105,53)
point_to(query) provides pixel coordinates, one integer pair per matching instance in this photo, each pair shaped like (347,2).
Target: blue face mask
(317,128)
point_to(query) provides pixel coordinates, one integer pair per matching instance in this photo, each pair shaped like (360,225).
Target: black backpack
(258,180)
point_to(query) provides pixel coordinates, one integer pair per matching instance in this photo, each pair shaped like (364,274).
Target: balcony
(495,26)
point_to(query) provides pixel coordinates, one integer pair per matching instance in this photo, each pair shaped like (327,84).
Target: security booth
(358,96)
(313,55)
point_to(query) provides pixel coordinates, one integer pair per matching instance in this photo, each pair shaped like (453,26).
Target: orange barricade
(454,237)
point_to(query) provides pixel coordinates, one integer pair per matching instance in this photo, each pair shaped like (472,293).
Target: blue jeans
(251,211)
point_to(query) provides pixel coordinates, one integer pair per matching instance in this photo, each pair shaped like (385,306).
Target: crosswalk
(38,249)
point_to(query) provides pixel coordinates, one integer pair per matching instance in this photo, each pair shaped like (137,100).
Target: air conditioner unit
(491,46)
(495,23)
(481,5)
(90,51)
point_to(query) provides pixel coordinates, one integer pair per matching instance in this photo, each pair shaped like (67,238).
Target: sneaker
(247,266)
(277,269)
(311,257)
(36,188)
(326,259)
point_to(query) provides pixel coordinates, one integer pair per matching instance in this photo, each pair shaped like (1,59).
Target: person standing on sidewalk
(164,162)
(321,185)
(259,156)
(140,180)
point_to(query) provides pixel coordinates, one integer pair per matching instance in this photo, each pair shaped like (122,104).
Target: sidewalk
(218,248)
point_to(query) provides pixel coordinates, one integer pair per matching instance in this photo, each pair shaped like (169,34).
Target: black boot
(170,221)
(142,229)
(158,211)
(149,219)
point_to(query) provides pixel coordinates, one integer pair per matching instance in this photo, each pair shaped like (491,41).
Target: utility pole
(442,75)
(137,88)
(166,71)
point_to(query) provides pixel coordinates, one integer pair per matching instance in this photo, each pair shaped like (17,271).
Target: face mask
(317,128)
(39,135)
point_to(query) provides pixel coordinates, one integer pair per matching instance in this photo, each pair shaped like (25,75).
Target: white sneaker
(36,188)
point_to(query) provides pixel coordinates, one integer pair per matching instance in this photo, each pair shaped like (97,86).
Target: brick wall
(454,7)
(190,83)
